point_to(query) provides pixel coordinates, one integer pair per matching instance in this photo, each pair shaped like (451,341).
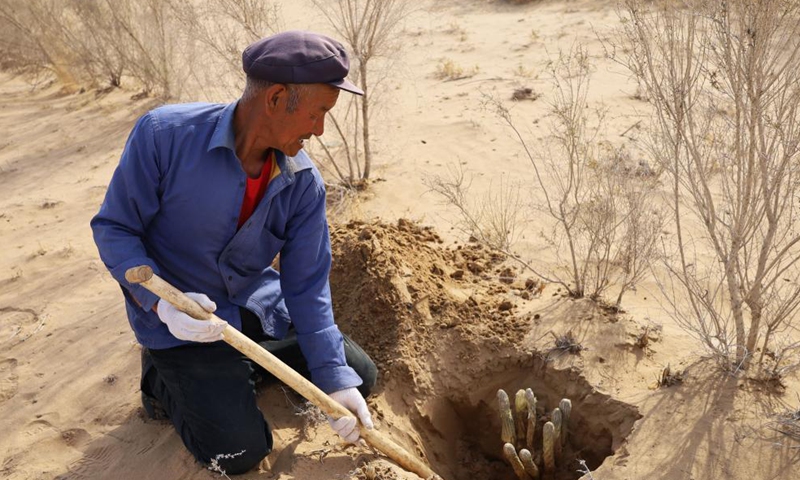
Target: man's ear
(274,96)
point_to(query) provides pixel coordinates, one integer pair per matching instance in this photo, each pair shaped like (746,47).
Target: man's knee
(363,365)
(369,376)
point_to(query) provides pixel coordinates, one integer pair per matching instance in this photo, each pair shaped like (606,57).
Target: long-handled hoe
(144,276)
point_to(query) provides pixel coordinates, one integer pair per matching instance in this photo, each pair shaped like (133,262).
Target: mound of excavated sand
(397,289)
(439,323)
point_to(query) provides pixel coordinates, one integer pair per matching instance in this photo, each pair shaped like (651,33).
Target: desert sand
(447,321)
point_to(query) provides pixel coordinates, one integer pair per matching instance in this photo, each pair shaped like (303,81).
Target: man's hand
(346,427)
(184,327)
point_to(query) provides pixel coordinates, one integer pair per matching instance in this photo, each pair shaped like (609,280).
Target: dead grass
(448,70)
(788,423)
(567,342)
(668,378)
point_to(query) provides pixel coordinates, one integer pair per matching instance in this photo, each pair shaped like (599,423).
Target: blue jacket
(173,204)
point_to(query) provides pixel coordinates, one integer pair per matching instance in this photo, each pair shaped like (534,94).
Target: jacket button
(230,277)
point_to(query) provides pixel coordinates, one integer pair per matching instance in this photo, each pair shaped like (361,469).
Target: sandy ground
(435,313)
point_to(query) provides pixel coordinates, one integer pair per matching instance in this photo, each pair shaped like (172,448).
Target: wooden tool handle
(144,276)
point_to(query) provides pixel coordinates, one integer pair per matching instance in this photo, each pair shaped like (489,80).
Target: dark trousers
(208,392)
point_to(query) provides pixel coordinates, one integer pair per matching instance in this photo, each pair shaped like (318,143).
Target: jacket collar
(223,135)
(301,161)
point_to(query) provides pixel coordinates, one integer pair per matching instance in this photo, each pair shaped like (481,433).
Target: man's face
(294,128)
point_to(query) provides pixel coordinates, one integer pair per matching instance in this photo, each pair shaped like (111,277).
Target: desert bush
(157,55)
(788,424)
(222,29)
(447,69)
(721,77)
(30,32)
(606,225)
(495,218)
(84,42)
(151,43)
(369,29)
(95,38)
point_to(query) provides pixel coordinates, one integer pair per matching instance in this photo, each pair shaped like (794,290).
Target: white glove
(184,327)
(346,427)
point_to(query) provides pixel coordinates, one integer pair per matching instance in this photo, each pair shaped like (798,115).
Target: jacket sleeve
(305,265)
(130,204)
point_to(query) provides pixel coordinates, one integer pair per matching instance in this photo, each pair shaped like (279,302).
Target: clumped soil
(445,329)
(398,290)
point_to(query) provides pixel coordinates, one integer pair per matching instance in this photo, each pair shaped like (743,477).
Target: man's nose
(319,126)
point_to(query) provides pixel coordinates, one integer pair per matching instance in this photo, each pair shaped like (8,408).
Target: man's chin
(292,151)
(295,148)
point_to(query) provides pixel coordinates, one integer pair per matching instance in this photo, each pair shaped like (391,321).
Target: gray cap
(299,57)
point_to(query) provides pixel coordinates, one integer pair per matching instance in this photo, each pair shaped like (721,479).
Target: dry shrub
(667,377)
(722,79)
(369,29)
(567,342)
(606,224)
(91,42)
(788,424)
(495,218)
(222,29)
(447,69)
(605,227)
(152,44)
(29,33)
